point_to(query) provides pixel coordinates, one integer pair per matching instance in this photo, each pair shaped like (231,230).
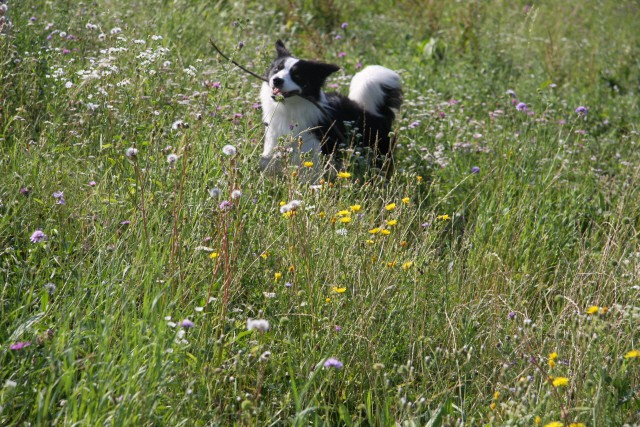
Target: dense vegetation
(149,278)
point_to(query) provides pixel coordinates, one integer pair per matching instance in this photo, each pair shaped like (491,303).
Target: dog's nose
(277,82)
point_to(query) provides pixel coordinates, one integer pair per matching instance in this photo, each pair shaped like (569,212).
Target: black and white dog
(311,122)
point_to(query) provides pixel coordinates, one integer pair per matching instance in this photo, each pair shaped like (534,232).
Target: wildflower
(339,290)
(407,265)
(593,309)
(554,424)
(264,255)
(229,150)
(186,323)
(38,236)
(236,194)
(496,395)
(419,178)
(631,354)
(391,264)
(374,230)
(308,164)
(172,158)
(537,420)
(511,93)
(577,425)
(344,25)
(390,206)
(214,255)
(265,356)
(355,208)
(342,54)
(131,153)
(414,125)
(50,288)
(269,294)
(19,345)
(9,383)
(475,170)
(288,284)
(345,220)
(25,191)
(327,300)
(552,359)
(582,111)
(406,200)
(521,106)
(443,217)
(512,315)
(59,196)
(560,381)
(492,406)
(332,362)
(369,241)
(342,232)
(288,214)
(344,175)
(240,45)
(392,222)
(385,232)
(277,276)
(344,213)
(260,325)
(214,192)
(91,184)
(226,205)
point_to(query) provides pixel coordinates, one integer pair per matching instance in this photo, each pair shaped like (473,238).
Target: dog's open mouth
(275,92)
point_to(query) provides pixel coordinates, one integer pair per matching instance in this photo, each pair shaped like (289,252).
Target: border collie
(311,122)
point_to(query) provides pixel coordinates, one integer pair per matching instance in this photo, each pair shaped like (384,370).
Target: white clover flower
(236,194)
(341,232)
(260,325)
(265,356)
(68,85)
(116,30)
(132,152)
(154,37)
(172,158)
(229,150)
(178,124)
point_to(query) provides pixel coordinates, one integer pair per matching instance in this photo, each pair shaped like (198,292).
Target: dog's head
(288,76)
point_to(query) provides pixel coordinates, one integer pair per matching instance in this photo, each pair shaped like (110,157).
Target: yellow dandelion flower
(308,164)
(552,363)
(322,214)
(392,222)
(345,220)
(390,206)
(537,420)
(214,255)
(407,265)
(371,242)
(404,243)
(283,203)
(604,310)
(374,230)
(554,424)
(492,406)
(291,269)
(344,175)
(560,381)
(339,290)
(264,255)
(406,200)
(385,232)
(355,208)
(277,276)
(344,213)
(289,214)
(552,359)
(631,354)
(333,220)
(443,217)
(577,425)
(496,395)
(391,264)
(419,178)
(327,299)
(593,309)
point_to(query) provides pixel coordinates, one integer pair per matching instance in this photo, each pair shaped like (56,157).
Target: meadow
(150,275)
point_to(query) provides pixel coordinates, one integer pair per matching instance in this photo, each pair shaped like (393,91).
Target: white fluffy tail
(377,89)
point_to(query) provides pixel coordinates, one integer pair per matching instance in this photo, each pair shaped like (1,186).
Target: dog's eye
(280,67)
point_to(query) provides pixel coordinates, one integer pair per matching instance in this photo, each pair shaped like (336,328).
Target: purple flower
(59,196)
(342,54)
(338,36)
(338,328)
(38,236)
(511,315)
(186,323)
(240,45)
(33,19)
(20,345)
(25,191)
(288,284)
(226,205)
(332,362)
(91,184)
(475,170)
(511,93)
(414,124)
(521,106)
(125,222)
(217,85)
(359,65)
(344,25)
(582,111)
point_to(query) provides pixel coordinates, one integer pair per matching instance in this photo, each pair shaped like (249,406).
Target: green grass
(448,319)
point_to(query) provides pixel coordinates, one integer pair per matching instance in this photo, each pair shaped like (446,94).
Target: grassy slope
(546,229)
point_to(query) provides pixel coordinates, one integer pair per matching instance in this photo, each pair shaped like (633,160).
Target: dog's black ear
(281,49)
(324,70)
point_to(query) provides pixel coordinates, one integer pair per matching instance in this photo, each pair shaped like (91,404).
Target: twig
(235,63)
